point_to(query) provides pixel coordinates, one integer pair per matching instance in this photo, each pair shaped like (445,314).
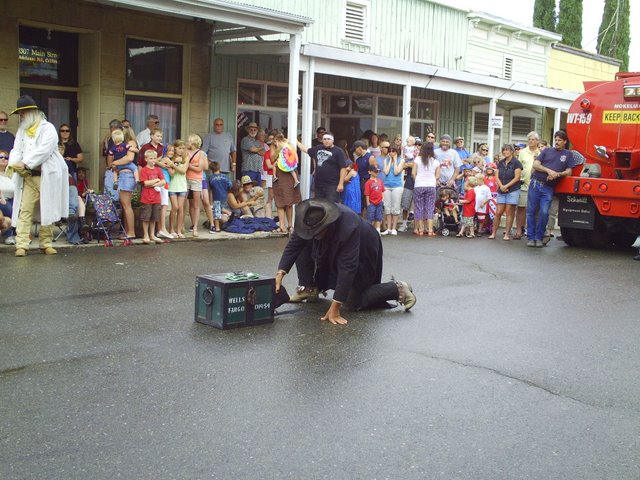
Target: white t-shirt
(483,193)
(449,161)
(426,174)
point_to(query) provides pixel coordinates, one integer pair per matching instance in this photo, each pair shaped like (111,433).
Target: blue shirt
(553,159)
(391,180)
(220,185)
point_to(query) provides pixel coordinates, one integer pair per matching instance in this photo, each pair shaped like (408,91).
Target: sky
(521,11)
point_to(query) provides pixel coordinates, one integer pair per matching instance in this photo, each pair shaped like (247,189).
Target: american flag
(241,120)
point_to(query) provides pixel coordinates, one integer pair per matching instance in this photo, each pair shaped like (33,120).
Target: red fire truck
(599,204)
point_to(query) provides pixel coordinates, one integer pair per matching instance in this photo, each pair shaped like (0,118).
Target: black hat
(25,102)
(313,216)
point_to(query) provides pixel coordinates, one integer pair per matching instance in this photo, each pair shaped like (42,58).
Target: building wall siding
(567,71)
(436,34)
(111,26)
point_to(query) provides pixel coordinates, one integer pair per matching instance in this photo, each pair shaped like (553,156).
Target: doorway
(59,107)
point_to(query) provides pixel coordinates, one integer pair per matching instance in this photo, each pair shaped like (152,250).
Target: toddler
(152,180)
(483,197)
(119,150)
(220,186)
(448,205)
(286,159)
(468,209)
(373,189)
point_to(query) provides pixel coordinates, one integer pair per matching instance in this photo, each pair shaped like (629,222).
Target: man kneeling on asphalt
(334,248)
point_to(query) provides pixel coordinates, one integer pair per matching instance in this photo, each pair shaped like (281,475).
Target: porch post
(406,112)
(491,130)
(308,81)
(295,41)
(556,122)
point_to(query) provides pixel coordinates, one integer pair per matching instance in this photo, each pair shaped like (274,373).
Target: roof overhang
(510,25)
(232,20)
(391,70)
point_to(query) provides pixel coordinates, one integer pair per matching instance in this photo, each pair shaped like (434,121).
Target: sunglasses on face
(4,119)
(65,131)
(2,157)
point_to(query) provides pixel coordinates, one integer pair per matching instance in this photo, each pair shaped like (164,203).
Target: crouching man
(334,248)
(40,177)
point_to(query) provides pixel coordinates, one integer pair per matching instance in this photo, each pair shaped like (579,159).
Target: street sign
(496,122)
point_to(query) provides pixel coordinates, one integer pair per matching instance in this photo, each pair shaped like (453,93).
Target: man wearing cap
(40,176)
(334,248)
(331,168)
(449,159)
(459,147)
(252,154)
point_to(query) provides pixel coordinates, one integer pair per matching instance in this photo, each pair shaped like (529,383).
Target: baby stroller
(107,221)
(448,213)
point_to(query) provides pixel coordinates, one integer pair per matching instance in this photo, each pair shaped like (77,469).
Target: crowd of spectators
(394,184)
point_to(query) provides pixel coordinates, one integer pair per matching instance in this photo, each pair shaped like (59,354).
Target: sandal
(471,235)
(491,237)
(431,234)
(517,236)
(506,237)
(459,235)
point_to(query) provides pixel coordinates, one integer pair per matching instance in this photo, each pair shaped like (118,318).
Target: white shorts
(268,179)
(164,197)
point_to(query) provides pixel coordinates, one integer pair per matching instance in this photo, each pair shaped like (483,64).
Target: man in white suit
(40,176)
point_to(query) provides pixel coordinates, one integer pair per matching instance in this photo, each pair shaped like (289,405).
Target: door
(59,107)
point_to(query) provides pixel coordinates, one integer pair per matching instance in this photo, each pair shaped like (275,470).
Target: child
(152,182)
(287,159)
(448,205)
(220,186)
(177,188)
(410,150)
(164,164)
(120,150)
(83,182)
(351,196)
(483,196)
(468,209)
(491,182)
(373,194)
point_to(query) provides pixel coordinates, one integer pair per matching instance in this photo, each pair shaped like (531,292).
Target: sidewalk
(205,236)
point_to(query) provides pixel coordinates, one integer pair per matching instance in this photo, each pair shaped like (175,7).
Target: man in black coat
(334,248)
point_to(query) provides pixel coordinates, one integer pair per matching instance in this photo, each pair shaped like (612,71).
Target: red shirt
(267,155)
(159,150)
(491,183)
(373,189)
(469,209)
(149,195)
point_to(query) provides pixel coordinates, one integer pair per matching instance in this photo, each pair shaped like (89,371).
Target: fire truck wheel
(567,236)
(599,237)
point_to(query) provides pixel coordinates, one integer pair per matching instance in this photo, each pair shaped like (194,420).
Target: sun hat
(246,180)
(251,125)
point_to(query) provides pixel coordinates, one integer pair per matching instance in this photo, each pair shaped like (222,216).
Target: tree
(544,14)
(570,22)
(613,35)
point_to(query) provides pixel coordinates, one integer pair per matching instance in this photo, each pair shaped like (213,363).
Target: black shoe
(637,257)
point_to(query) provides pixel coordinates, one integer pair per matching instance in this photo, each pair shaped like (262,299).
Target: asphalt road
(516,363)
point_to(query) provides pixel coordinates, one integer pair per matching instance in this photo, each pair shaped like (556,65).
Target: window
(250,94)
(168,111)
(356,22)
(48,57)
(521,126)
(507,68)
(480,123)
(388,107)
(154,67)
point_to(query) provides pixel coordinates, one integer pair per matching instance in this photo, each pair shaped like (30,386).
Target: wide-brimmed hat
(313,216)
(246,179)
(251,125)
(25,102)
